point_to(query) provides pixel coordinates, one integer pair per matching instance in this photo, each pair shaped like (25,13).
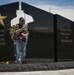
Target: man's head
(21,20)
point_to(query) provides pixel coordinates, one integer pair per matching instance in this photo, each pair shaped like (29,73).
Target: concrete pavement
(52,72)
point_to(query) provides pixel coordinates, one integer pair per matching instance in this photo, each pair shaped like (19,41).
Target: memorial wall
(50,36)
(7,13)
(64,38)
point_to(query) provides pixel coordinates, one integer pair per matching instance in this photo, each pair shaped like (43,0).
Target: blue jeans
(20,50)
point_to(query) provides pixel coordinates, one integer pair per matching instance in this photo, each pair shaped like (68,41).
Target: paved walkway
(36,66)
(54,72)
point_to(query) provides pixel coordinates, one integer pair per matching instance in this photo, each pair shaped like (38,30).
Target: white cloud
(65,11)
(68,13)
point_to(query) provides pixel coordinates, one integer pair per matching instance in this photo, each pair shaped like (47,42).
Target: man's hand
(23,27)
(25,34)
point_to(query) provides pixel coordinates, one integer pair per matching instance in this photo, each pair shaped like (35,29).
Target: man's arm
(20,30)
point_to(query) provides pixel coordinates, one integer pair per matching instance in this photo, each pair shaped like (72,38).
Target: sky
(62,7)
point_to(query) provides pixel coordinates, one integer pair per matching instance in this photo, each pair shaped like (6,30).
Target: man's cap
(21,18)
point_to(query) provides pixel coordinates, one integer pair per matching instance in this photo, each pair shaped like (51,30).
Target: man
(20,35)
